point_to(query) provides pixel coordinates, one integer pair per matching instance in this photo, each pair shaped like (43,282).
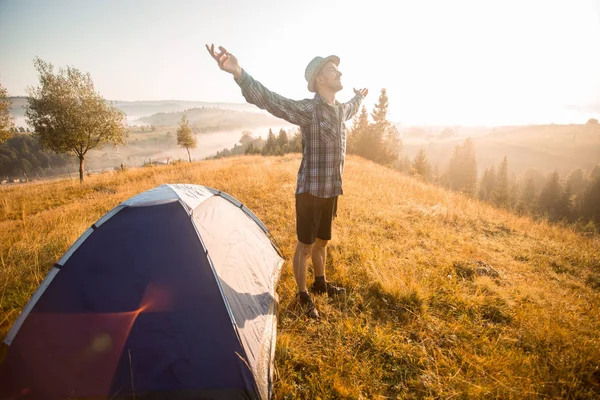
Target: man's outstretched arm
(352,106)
(295,112)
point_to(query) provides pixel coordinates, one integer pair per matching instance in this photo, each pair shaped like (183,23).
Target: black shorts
(314,217)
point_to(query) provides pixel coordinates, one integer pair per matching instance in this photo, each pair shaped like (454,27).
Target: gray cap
(313,68)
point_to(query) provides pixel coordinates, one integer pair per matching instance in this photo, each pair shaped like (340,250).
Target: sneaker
(306,302)
(329,288)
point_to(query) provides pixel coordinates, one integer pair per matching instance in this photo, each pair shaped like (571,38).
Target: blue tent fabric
(142,306)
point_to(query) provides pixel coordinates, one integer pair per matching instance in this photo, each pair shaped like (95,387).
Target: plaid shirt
(323,132)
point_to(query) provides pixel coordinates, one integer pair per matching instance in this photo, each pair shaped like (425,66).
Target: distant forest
(22,157)
(571,198)
(275,145)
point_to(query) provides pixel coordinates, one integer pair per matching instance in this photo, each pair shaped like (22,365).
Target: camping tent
(169,295)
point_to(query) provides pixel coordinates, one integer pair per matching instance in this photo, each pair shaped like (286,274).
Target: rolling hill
(545,147)
(145,107)
(209,116)
(215,119)
(448,297)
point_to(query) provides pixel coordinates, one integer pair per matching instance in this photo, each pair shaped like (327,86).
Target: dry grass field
(448,297)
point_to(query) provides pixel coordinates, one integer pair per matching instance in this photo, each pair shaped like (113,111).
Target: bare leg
(300,263)
(319,256)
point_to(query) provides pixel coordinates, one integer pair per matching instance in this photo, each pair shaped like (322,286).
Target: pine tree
(500,194)
(359,133)
(590,207)
(488,184)
(565,204)
(185,139)
(549,200)
(513,193)
(462,171)
(594,173)
(296,142)
(527,202)
(384,136)
(282,138)
(421,165)
(270,144)
(539,179)
(577,181)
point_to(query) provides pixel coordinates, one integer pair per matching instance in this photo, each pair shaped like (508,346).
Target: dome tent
(169,295)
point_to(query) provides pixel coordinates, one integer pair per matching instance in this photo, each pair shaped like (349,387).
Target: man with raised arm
(321,121)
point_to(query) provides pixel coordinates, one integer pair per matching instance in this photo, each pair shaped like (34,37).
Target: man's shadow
(246,307)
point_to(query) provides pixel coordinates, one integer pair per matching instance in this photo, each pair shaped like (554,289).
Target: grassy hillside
(448,297)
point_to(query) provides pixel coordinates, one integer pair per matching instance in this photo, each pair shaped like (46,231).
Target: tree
(527,202)
(270,144)
(69,116)
(22,154)
(550,196)
(462,171)
(594,173)
(246,137)
(565,204)
(421,165)
(6,120)
(378,141)
(282,138)
(185,139)
(296,142)
(539,180)
(500,194)
(359,133)
(576,180)
(384,135)
(592,121)
(590,207)
(488,184)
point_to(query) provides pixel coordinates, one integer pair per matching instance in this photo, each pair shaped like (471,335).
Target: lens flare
(75,354)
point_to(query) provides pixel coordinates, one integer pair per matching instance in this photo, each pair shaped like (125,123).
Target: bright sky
(442,62)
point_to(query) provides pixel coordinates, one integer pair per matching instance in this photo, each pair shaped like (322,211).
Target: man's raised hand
(227,61)
(362,92)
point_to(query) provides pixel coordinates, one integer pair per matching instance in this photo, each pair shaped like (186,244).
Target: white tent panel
(248,268)
(191,195)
